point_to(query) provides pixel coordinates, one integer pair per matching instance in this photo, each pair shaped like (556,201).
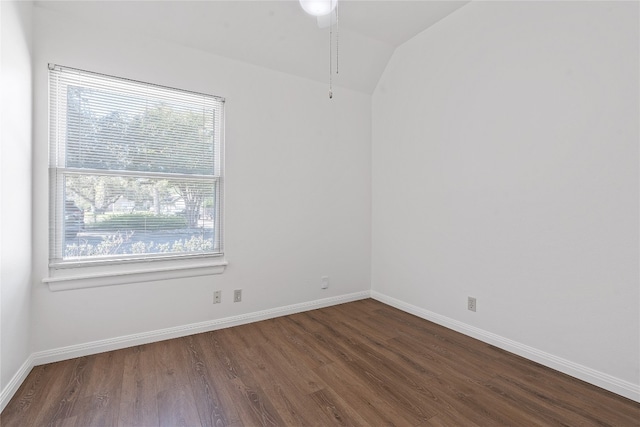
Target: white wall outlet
(237,295)
(217,297)
(324,282)
(471,304)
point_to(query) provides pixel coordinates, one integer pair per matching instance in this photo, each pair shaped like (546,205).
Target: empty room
(319,212)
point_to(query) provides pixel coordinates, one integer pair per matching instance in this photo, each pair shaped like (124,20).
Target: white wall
(505,167)
(15,187)
(297,189)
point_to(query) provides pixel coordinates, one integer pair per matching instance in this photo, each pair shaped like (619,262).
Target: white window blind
(136,170)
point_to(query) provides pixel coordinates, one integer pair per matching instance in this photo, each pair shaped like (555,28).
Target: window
(136,170)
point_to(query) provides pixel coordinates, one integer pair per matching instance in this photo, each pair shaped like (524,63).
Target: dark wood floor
(361,364)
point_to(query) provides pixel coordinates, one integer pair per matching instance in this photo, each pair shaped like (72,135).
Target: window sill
(87,277)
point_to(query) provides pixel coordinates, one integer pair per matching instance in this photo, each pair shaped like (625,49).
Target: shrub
(111,245)
(140,221)
(118,244)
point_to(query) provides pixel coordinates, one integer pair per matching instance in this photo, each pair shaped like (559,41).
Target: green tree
(176,141)
(99,192)
(159,138)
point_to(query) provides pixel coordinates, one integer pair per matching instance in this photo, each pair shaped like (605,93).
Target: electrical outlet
(471,304)
(217,297)
(324,282)
(237,295)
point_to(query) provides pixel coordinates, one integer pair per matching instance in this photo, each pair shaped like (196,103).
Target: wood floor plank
(447,420)
(177,408)
(60,400)
(294,333)
(223,373)
(171,364)
(209,403)
(138,397)
(336,410)
(250,393)
(223,368)
(32,392)
(358,364)
(469,402)
(373,407)
(360,320)
(285,393)
(572,405)
(99,401)
(372,367)
(286,364)
(466,351)
(549,413)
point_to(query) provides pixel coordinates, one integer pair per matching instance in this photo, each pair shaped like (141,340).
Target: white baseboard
(94,347)
(7,393)
(597,378)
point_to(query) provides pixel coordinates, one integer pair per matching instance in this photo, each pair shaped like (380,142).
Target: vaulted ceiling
(274,34)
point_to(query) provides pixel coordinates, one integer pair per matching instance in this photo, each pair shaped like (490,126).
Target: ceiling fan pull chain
(337,37)
(330,62)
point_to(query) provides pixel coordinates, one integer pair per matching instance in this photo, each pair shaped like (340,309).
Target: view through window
(136,169)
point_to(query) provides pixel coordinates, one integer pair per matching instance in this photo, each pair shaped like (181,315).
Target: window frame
(73,272)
